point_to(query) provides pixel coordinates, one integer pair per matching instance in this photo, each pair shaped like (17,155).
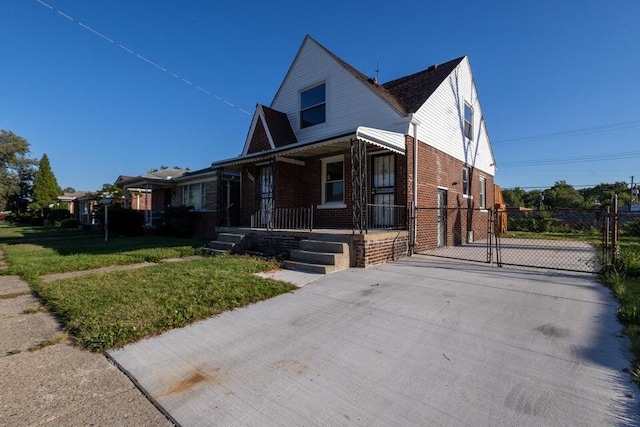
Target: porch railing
(283,218)
(387,217)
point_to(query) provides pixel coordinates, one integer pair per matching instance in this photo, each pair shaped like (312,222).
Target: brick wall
(259,141)
(290,186)
(437,169)
(377,249)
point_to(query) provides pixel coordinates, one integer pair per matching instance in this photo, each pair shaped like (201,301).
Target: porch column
(359,184)
(220,201)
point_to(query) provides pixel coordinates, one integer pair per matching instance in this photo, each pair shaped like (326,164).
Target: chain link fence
(551,239)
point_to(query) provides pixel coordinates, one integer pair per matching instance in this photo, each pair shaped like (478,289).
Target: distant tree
(45,186)
(600,195)
(533,199)
(563,196)
(16,171)
(514,197)
(112,191)
(69,190)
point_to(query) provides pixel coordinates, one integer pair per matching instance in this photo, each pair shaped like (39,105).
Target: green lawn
(624,281)
(32,252)
(100,311)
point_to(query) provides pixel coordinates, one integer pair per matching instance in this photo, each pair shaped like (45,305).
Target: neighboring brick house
(157,190)
(337,149)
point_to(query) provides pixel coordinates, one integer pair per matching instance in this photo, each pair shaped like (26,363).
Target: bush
(127,222)
(632,228)
(178,222)
(69,223)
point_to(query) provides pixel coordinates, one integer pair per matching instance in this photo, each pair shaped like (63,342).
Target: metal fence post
(614,230)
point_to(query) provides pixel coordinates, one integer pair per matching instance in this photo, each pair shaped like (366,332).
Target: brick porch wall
(205,223)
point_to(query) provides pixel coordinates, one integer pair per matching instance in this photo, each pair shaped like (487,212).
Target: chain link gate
(550,239)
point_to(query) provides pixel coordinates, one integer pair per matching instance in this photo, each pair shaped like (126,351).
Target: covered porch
(354,182)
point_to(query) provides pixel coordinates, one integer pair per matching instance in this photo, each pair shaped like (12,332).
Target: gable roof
(270,128)
(406,94)
(278,126)
(412,91)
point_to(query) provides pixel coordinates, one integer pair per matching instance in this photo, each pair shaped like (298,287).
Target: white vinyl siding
(349,102)
(441,120)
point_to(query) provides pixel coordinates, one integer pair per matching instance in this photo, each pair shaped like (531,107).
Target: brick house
(337,150)
(155,191)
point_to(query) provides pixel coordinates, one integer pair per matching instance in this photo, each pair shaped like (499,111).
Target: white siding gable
(349,102)
(441,120)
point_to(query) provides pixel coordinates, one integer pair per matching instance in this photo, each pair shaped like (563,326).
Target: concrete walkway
(420,341)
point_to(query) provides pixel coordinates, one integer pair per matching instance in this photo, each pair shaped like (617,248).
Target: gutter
(415,123)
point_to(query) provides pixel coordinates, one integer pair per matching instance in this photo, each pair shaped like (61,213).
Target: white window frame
(483,192)
(186,189)
(300,109)
(323,203)
(466,192)
(467,124)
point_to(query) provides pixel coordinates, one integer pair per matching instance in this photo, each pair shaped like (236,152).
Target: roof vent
(433,67)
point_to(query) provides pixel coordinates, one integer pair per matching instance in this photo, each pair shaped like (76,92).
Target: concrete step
(325,247)
(230,237)
(314,257)
(313,268)
(225,246)
(210,251)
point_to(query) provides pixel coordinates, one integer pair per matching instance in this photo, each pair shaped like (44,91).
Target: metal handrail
(283,219)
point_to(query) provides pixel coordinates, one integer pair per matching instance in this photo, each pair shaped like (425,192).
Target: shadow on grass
(73,242)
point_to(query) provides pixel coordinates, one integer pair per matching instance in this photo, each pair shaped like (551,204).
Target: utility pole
(631,194)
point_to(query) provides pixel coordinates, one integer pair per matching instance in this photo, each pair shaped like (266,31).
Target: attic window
(468,121)
(313,106)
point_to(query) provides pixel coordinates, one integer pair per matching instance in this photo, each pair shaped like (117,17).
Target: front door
(265,195)
(442,217)
(383,191)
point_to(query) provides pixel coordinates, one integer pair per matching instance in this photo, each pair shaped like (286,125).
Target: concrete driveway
(421,341)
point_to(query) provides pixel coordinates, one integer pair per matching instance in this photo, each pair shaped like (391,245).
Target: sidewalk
(46,380)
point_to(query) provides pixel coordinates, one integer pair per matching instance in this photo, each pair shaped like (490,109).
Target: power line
(142,58)
(571,133)
(577,159)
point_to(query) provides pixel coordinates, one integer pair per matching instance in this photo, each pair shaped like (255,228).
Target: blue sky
(541,68)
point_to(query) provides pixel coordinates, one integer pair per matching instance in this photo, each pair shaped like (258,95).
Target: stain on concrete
(553,331)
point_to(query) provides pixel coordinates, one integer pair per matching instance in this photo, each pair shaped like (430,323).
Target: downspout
(414,231)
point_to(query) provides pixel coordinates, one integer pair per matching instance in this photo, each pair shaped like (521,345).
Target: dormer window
(468,121)
(313,106)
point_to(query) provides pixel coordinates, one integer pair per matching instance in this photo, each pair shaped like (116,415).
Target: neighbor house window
(468,121)
(313,106)
(483,192)
(333,180)
(193,195)
(466,188)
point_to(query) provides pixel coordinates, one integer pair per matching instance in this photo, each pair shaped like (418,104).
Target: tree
(563,196)
(45,186)
(514,197)
(112,191)
(68,190)
(601,194)
(16,170)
